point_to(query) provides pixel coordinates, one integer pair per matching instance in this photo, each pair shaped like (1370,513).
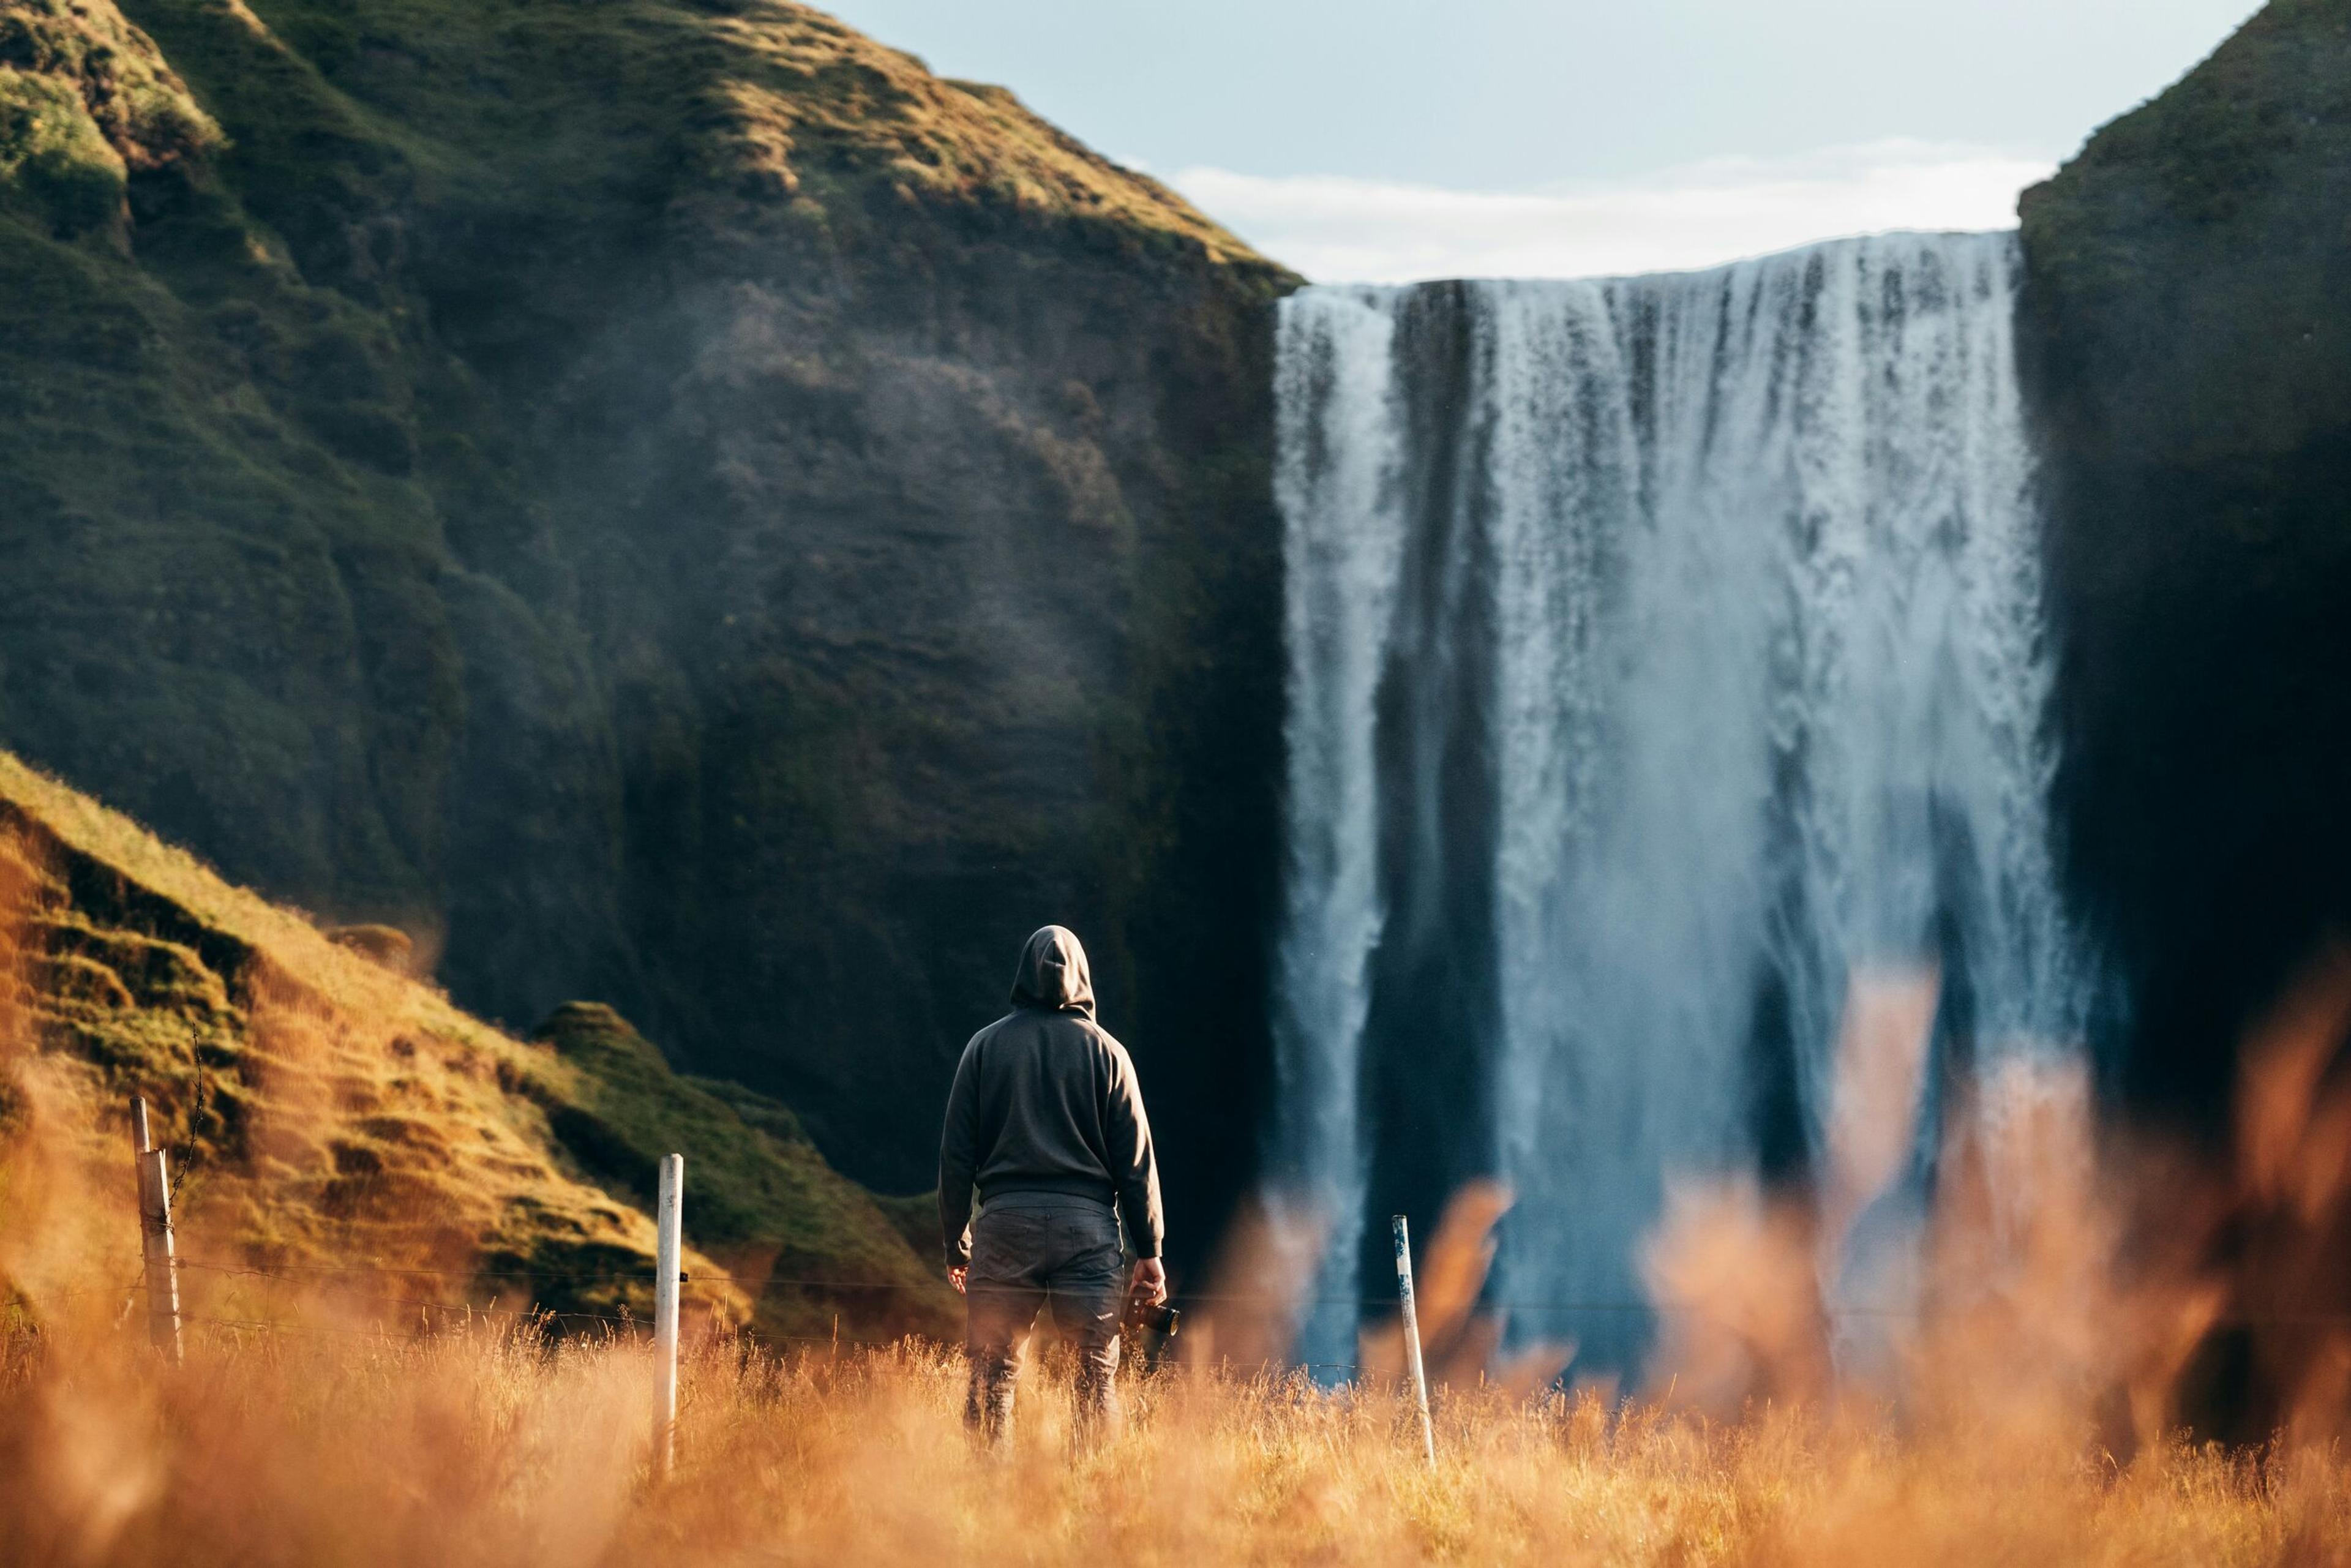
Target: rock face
(667,503)
(2188,326)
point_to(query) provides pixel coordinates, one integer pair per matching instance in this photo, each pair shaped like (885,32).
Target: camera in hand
(1157,1318)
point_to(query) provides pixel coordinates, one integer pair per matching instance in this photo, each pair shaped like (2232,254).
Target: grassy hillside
(806,1243)
(668,503)
(345,1136)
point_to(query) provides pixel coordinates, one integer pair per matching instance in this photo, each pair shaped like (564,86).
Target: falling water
(1664,652)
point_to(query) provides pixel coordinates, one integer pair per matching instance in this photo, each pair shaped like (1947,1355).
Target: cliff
(2187,325)
(666,503)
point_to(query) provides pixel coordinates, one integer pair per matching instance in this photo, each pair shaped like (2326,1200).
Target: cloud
(1338,230)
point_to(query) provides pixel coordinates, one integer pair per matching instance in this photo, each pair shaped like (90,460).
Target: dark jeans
(1029,1248)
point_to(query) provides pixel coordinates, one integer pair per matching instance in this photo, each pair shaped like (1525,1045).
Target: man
(1046,1120)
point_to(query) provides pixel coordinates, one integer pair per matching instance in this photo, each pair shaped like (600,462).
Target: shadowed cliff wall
(2187,327)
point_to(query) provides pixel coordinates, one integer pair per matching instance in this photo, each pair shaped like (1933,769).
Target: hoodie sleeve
(959,1159)
(1133,1164)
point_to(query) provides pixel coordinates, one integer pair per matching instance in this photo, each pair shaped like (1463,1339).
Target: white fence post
(1412,1338)
(155,1233)
(667,1215)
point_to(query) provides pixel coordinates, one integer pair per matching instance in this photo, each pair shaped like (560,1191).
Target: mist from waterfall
(1663,653)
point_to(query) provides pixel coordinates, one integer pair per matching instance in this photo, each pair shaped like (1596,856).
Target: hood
(1053,974)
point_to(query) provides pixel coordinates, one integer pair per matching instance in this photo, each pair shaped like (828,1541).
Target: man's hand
(1149,1285)
(955,1276)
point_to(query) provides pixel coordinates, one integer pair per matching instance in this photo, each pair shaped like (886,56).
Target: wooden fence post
(668,1235)
(1412,1338)
(155,1235)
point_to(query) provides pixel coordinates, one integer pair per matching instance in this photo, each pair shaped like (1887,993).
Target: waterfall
(1663,651)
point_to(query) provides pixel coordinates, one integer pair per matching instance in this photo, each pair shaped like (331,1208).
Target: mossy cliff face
(2188,336)
(670,503)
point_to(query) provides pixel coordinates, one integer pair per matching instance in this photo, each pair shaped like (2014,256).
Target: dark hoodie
(1045,1100)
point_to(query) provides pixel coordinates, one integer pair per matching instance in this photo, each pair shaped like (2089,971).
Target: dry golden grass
(498,1448)
(807,90)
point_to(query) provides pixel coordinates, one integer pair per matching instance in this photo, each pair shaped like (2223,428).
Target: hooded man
(1045,1121)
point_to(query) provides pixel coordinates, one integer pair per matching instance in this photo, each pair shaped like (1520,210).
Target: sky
(1392,140)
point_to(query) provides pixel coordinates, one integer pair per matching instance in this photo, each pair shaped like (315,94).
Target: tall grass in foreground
(501,1448)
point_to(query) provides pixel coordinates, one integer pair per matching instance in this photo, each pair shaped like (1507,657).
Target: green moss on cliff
(2188,265)
(84,99)
(665,503)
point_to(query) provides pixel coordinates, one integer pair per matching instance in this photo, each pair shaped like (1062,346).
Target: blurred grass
(495,1448)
